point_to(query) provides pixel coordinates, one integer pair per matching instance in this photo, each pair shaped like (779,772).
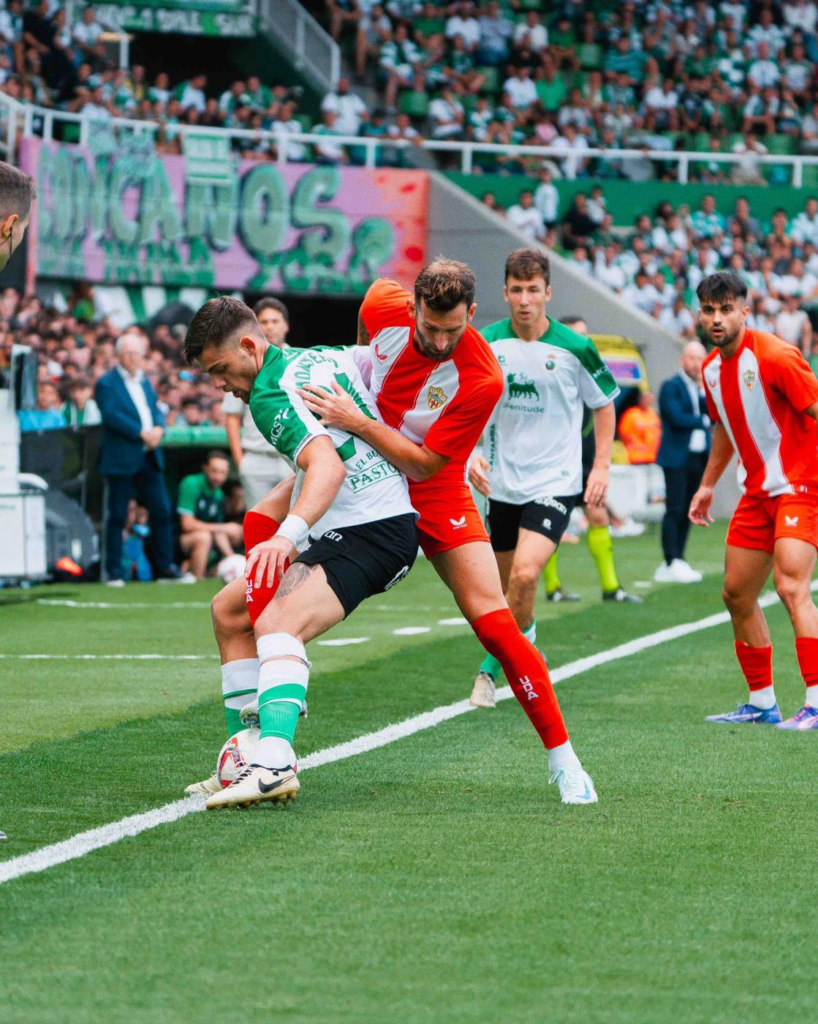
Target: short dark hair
(17,191)
(216,453)
(526,264)
(216,322)
(271,303)
(721,286)
(570,320)
(444,284)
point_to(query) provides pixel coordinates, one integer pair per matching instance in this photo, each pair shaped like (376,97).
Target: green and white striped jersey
(532,441)
(374,488)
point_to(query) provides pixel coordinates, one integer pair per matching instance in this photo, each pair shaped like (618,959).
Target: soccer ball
(236,754)
(231,568)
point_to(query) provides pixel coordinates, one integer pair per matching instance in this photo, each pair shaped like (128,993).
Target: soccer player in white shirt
(531,467)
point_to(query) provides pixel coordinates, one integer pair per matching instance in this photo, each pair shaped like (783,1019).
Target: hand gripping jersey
(373,489)
(533,443)
(759,395)
(444,405)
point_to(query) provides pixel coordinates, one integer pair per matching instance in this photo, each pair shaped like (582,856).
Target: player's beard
(724,339)
(431,353)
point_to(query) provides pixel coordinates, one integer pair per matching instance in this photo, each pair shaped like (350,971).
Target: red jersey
(759,394)
(444,405)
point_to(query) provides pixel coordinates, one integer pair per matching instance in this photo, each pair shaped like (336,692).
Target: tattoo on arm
(363,333)
(293,578)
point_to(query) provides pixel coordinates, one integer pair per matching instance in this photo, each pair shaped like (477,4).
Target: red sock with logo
(526,673)
(757,665)
(257,528)
(806,647)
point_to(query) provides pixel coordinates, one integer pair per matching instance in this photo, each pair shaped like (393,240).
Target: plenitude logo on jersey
(520,386)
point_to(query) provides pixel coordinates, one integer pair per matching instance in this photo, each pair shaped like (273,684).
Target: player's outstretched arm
(339,410)
(324,473)
(720,455)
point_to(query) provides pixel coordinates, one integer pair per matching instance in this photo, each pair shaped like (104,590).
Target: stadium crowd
(734,77)
(75,350)
(657,263)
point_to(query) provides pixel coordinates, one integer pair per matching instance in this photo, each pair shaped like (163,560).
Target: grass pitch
(435,879)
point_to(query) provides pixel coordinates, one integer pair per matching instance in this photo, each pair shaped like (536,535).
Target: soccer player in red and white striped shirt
(436,382)
(763,398)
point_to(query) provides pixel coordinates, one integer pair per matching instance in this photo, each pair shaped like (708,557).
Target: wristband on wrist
(295,529)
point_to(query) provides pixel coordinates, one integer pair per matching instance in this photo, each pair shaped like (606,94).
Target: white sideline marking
(109,657)
(458,621)
(54,603)
(411,630)
(85,842)
(343,641)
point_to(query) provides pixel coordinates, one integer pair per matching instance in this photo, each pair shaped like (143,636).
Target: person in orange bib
(436,382)
(763,398)
(641,431)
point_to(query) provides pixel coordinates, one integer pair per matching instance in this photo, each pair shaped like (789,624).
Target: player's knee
(524,577)
(791,589)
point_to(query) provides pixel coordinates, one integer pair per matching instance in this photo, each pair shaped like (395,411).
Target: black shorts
(547,516)
(360,561)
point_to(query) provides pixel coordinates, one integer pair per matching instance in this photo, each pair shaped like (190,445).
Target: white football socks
(274,752)
(812,696)
(562,756)
(763,699)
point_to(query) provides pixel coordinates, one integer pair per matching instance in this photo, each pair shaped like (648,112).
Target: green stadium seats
(415,103)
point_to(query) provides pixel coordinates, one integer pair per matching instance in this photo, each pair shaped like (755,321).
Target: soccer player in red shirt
(763,398)
(436,382)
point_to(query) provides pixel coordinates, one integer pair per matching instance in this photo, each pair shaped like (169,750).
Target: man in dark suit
(682,455)
(130,459)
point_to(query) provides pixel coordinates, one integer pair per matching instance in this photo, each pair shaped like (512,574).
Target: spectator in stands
(682,455)
(793,325)
(130,458)
(79,408)
(349,108)
(496,31)
(47,415)
(200,506)
(329,152)
(525,216)
(641,430)
(447,116)
(748,170)
(547,198)
(192,94)
(87,36)
(577,226)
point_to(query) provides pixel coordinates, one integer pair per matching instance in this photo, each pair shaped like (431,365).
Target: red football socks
(526,673)
(806,647)
(756,664)
(258,528)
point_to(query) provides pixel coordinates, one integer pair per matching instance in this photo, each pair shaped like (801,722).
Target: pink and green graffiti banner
(129,216)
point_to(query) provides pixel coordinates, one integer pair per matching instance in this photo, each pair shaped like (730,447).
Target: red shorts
(448,517)
(759,522)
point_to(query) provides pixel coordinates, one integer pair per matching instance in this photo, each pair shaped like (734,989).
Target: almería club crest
(749,378)
(436,397)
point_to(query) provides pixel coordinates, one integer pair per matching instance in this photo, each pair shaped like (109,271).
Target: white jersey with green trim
(373,489)
(532,440)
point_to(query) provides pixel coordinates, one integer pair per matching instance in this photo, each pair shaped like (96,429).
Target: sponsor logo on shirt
(749,378)
(279,424)
(436,397)
(520,386)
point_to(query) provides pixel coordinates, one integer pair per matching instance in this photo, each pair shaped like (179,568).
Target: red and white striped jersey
(444,405)
(759,394)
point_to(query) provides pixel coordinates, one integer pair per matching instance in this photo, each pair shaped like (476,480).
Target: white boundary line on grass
(85,842)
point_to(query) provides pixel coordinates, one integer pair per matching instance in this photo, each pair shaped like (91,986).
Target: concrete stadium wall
(461,227)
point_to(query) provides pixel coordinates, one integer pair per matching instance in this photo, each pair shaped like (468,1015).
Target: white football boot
(207,787)
(575,785)
(255,784)
(483,694)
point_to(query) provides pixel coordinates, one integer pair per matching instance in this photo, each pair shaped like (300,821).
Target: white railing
(296,32)
(41,121)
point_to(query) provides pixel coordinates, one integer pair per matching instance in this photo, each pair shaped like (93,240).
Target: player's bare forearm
(720,455)
(604,429)
(414,460)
